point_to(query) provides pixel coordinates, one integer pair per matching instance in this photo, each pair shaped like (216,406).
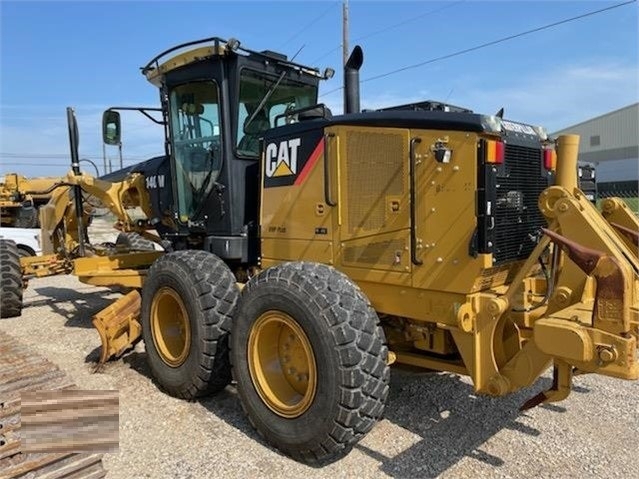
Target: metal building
(611,143)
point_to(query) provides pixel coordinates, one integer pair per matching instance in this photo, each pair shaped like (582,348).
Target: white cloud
(558,98)
(335,101)
(555,98)
(552,97)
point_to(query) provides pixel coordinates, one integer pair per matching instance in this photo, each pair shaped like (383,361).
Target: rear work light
(495,152)
(550,159)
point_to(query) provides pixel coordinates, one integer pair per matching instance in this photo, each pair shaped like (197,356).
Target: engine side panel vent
(375,168)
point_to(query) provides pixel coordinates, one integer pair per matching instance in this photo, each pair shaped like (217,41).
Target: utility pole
(344,43)
(345,32)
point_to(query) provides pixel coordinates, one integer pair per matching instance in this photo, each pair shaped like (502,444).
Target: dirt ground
(434,425)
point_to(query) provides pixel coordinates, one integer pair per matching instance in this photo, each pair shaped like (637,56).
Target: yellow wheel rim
(281,364)
(170,327)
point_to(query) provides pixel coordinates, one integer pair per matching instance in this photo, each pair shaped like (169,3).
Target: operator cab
(218,99)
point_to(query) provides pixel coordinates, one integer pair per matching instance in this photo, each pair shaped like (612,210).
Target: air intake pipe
(567,156)
(351,80)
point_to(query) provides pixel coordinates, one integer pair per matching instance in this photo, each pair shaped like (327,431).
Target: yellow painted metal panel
(275,251)
(297,211)
(445,212)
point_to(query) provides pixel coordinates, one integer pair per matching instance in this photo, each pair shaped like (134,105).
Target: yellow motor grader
(21,197)
(306,252)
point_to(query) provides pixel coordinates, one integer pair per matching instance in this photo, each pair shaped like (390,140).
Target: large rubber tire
(11,287)
(26,251)
(348,351)
(205,287)
(134,241)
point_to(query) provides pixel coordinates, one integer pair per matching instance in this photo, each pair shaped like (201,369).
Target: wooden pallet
(22,371)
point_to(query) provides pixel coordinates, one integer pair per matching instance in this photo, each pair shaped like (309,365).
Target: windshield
(195,125)
(281,94)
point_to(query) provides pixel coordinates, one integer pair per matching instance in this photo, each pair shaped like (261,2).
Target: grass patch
(632,203)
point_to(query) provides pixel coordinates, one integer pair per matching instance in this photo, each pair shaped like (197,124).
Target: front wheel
(188,301)
(309,358)
(134,242)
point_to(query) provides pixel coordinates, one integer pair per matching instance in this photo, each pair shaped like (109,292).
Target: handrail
(327,186)
(413,207)
(147,67)
(217,40)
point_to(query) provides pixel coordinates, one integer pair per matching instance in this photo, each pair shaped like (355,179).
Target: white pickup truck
(27,239)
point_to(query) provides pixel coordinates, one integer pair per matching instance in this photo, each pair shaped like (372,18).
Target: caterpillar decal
(281,159)
(288,162)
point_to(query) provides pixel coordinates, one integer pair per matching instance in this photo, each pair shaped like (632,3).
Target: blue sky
(87,55)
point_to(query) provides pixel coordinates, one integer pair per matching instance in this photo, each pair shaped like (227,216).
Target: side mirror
(111,127)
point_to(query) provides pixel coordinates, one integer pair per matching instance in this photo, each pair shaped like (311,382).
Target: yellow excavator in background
(304,253)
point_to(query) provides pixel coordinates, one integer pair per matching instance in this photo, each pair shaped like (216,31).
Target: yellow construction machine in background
(21,197)
(66,248)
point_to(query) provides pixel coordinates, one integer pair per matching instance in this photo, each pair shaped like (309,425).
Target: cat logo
(281,158)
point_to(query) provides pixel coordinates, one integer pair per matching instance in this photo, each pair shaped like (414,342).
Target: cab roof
(206,48)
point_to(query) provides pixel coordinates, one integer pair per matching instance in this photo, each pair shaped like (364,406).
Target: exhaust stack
(351,80)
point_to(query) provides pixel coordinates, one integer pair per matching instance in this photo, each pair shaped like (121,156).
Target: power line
(488,44)
(48,163)
(57,156)
(21,163)
(67,165)
(310,24)
(391,27)
(436,10)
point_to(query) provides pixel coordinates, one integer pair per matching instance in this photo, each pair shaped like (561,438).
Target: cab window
(195,127)
(262,97)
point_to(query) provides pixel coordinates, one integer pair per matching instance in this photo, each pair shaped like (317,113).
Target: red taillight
(495,152)
(550,159)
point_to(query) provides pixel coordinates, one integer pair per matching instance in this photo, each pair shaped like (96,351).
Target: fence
(621,189)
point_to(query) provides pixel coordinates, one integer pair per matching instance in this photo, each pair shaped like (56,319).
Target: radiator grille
(375,169)
(517,217)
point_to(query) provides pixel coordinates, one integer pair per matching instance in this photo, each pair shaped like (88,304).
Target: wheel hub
(170,327)
(282,364)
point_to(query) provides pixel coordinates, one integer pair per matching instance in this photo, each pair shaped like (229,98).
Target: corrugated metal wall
(611,141)
(617,129)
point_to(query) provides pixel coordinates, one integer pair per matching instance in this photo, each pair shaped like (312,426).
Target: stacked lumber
(24,372)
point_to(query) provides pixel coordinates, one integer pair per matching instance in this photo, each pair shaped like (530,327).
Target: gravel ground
(434,425)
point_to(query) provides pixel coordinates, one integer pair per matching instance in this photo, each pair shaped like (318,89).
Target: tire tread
(360,343)
(134,241)
(11,287)
(216,297)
